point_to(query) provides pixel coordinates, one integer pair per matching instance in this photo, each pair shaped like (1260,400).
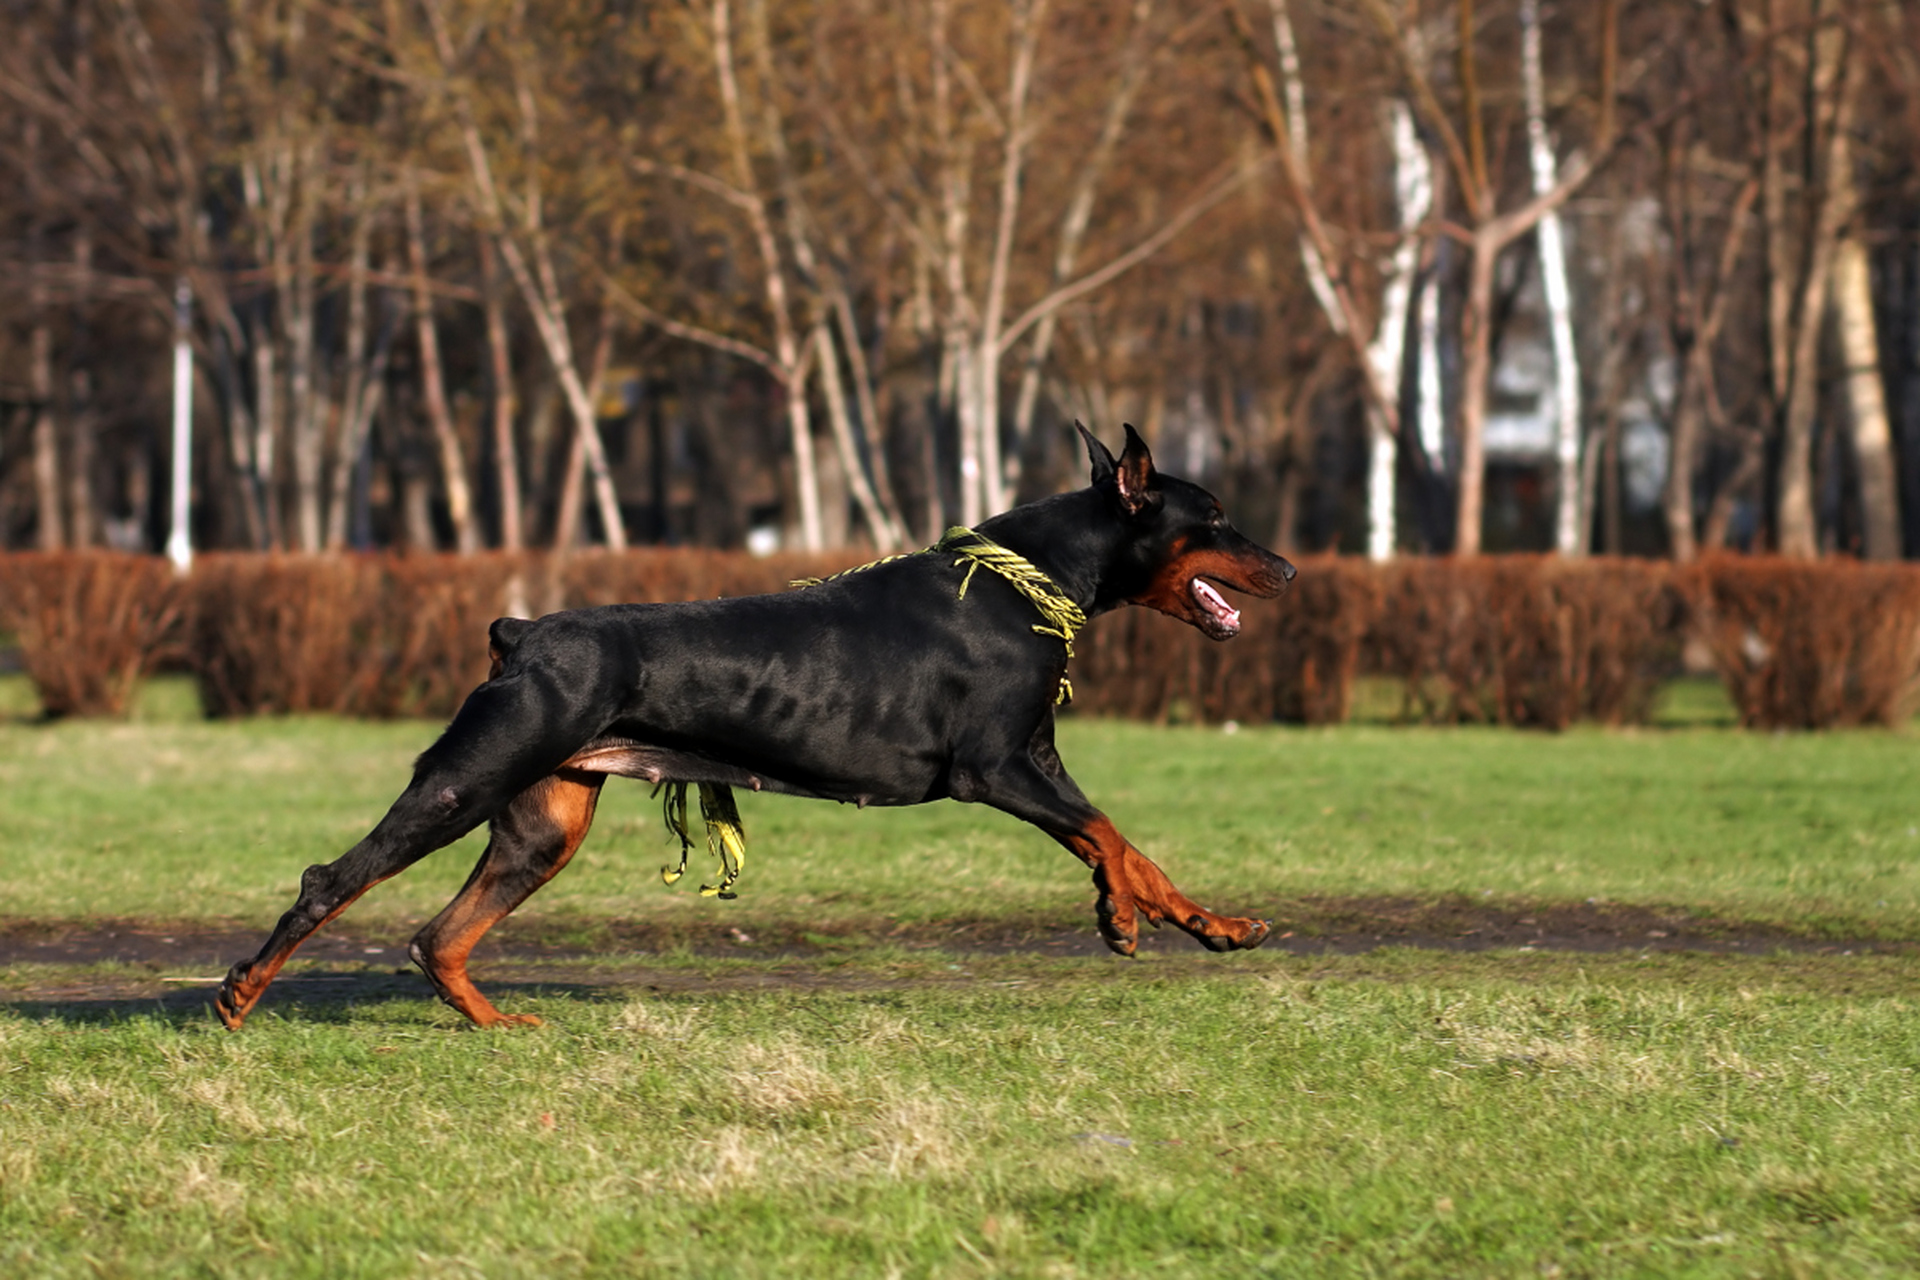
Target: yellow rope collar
(1063,617)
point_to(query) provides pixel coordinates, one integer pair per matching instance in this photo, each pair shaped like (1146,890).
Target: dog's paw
(1239,935)
(1258,932)
(229,1004)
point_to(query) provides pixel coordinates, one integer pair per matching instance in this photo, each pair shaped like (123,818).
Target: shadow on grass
(322,996)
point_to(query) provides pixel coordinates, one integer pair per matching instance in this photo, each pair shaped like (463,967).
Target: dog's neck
(1074,538)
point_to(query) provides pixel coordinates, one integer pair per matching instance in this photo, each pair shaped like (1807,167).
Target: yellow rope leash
(726,837)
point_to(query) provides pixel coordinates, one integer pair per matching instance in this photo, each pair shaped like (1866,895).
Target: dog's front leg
(1130,885)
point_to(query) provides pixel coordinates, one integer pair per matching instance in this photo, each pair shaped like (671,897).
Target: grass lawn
(181,820)
(866,1109)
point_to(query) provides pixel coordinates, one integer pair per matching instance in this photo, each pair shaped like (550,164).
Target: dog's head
(1179,547)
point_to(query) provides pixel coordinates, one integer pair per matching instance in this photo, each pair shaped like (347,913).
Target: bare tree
(1569,533)
(531,263)
(1378,338)
(1866,402)
(1489,231)
(1831,94)
(506,451)
(433,385)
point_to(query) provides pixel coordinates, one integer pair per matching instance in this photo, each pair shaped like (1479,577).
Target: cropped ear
(1097,454)
(1135,475)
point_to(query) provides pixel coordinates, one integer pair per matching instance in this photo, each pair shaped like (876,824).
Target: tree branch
(1130,259)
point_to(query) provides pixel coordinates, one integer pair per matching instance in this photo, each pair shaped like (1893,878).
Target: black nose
(1287,571)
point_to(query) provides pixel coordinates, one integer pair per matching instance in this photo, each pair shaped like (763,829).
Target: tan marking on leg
(1131,886)
(567,800)
(235,1000)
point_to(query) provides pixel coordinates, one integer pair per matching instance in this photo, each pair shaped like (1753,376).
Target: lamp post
(179,544)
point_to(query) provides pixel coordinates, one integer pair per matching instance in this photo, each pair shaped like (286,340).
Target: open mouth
(1225,618)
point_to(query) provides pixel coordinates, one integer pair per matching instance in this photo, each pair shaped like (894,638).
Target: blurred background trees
(1630,276)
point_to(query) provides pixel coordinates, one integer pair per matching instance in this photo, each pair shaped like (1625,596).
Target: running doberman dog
(915,679)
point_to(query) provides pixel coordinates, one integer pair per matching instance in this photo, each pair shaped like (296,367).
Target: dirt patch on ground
(174,968)
(1344,926)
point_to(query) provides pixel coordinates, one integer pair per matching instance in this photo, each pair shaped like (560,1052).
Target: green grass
(1518,1115)
(870,1111)
(187,820)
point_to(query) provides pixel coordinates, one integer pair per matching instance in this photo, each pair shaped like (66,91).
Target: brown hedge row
(89,627)
(1522,640)
(1811,646)
(1526,640)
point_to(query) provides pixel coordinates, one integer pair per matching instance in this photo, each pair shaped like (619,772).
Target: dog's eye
(1218,519)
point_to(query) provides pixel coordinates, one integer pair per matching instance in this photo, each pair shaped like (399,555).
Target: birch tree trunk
(1293,87)
(879,522)
(266,201)
(786,342)
(1832,99)
(1413,191)
(1028,17)
(50,528)
(1568,535)
(81,424)
(1286,129)
(1866,402)
(500,364)
(888,503)
(84,514)
(1432,409)
(433,386)
(1776,132)
(304,393)
(566,524)
(266,424)
(959,390)
(354,383)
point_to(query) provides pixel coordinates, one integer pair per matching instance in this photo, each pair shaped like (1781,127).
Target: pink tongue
(1216,603)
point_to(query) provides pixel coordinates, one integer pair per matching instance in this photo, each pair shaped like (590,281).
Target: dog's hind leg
(401,839)
(508,735)
(530,842)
